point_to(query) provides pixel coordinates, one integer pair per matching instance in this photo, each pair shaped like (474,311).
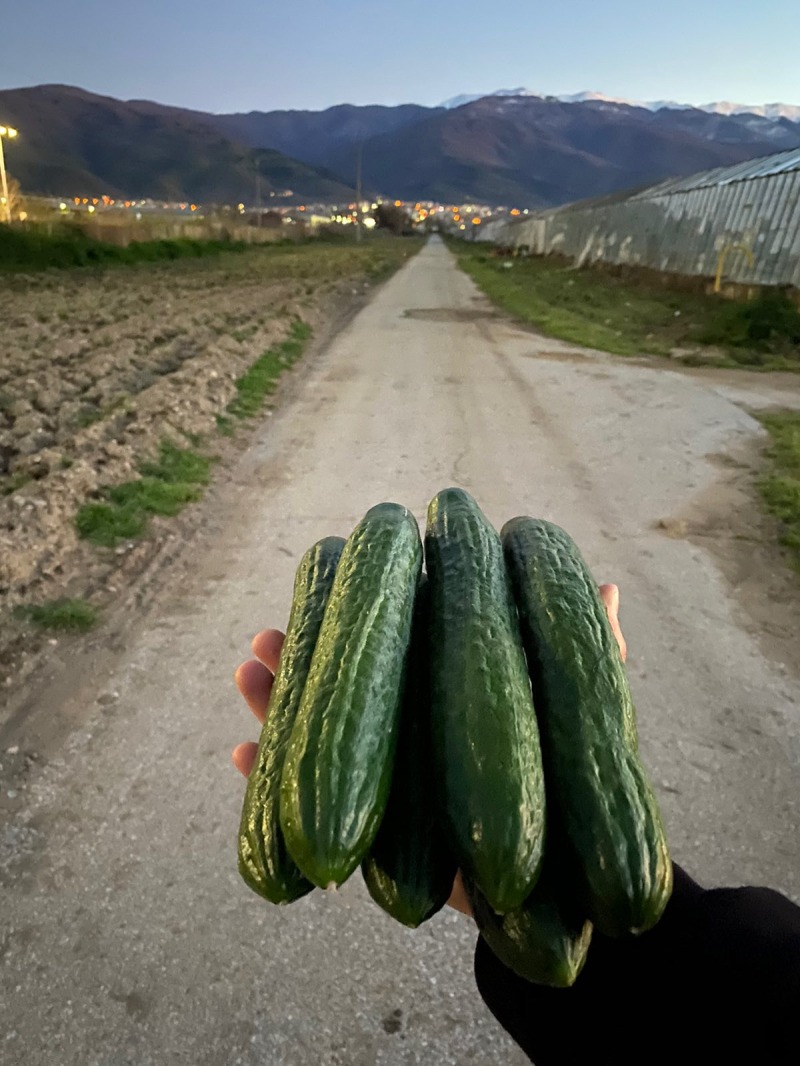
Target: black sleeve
(717,981)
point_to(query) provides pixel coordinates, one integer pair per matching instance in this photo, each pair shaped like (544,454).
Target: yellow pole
(731,246)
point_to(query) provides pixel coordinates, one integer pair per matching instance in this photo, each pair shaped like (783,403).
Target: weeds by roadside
(63,615)
(178,476)
(261,378)
(757,331)
(781,486)
(165,487)
(594,308)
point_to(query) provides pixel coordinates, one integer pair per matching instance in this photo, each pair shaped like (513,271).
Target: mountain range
(720,107)
(514,147)
(75,143)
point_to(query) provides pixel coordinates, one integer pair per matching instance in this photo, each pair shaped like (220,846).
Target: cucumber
(338,765)
(409,870)
(486,740)
(546,940)
(264,862)
(605,803)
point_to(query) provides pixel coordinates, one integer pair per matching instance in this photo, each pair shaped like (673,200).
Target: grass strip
(261,379)
(780,486)
(175,478)
(178,476)
(596,308)
(63,615)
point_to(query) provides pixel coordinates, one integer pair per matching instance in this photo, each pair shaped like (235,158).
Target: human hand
(254,681)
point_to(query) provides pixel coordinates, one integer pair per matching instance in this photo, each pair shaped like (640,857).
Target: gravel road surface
(126,934)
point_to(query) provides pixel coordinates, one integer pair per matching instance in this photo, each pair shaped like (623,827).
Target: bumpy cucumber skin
(486,739)
(338,765)
(605,802)
(264,862)
(409,870)
(545,940)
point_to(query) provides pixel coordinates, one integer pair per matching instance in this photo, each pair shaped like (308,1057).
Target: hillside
(77,143)
(320,136)
(527,150)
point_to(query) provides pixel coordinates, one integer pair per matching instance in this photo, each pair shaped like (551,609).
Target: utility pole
(359,160)
(258,191)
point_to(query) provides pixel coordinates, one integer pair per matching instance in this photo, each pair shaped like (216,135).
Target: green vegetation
(38,247)
(629,316)
(754,331)
(225,425)
(781,486)
(64,615)
(261,378)
(178,475)
(176,478)
(35,248)
(13,482)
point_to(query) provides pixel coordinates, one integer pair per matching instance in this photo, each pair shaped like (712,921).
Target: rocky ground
(98,367)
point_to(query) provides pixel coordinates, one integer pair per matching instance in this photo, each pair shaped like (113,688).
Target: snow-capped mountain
(774,111)
(600,98)
(468,98)
(566,98)
(517,147)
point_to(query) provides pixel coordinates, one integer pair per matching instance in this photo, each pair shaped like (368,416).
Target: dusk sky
(244,55)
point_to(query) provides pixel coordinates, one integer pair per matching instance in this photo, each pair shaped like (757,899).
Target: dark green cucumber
(409,870)
(604,800)
(546,940)
(338,766)
(264,862)
(486,739)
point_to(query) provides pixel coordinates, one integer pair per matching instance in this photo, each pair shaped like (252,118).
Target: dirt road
(127,934)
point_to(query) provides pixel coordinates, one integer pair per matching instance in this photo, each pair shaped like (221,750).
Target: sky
(246,55)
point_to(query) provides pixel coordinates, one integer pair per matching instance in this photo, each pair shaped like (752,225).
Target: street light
(11,133)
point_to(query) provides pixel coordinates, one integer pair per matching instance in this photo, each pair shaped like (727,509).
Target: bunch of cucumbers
(473,718)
